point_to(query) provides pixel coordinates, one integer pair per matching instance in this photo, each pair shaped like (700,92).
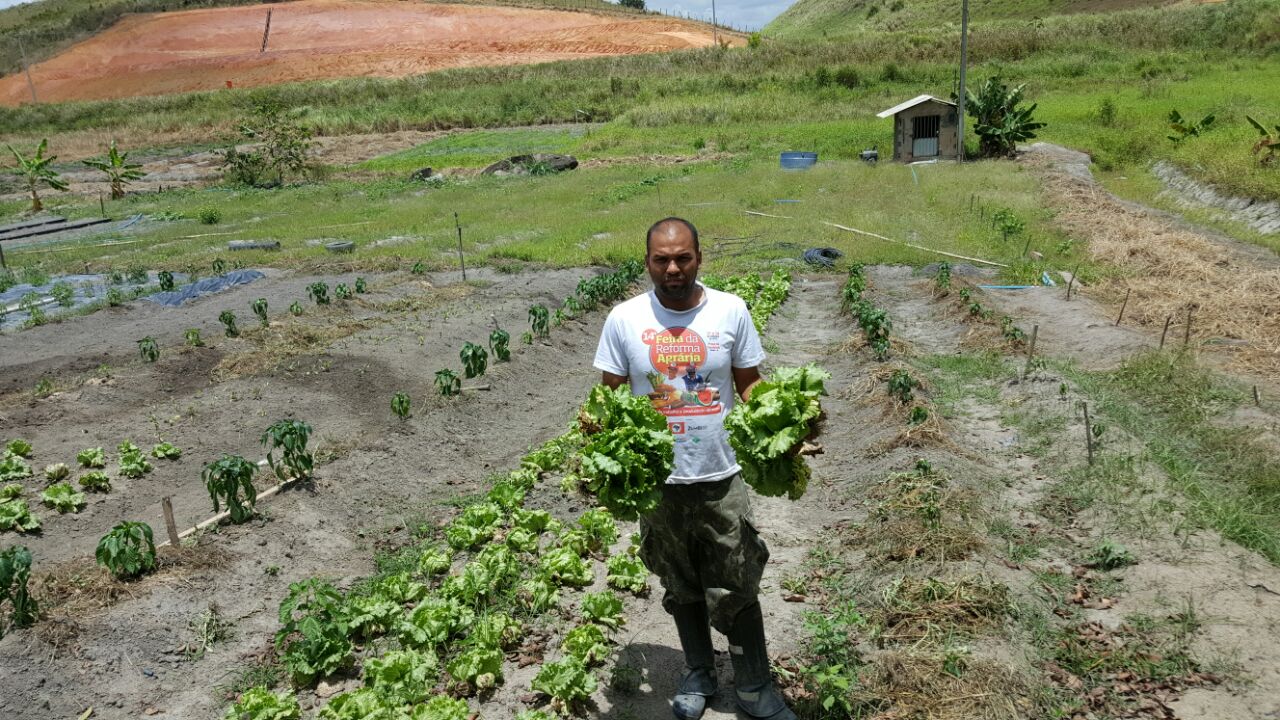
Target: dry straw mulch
(1169,269)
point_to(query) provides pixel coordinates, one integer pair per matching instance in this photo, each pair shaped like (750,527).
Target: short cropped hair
(648,238)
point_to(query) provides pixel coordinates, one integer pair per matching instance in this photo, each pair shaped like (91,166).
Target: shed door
(924,135)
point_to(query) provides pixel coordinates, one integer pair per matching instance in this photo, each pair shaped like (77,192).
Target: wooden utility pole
(26,67)
(964,62)
(266,33)
(715,29)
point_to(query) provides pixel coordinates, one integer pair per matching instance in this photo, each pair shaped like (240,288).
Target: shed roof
(912,103)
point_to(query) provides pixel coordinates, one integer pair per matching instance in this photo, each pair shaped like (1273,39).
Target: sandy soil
(316,39)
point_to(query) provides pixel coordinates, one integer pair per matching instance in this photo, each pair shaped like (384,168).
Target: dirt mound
(317,39)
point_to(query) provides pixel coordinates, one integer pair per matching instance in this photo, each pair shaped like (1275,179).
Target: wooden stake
(970,202)
(1257,396)
(102,206)
(1166,330)
(1031,349)
(1088,432)
(4,265)
(1186,333)
(1027,246)
(266,33)
(461,259)
(1072,281)
(170,526)
(1123,305)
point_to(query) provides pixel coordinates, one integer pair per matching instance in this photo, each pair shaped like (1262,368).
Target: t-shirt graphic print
(682,361)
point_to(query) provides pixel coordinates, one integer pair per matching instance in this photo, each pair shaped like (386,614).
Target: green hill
(841,17)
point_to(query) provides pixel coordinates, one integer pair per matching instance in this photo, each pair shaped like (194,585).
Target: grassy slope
(834,18)
(48,26)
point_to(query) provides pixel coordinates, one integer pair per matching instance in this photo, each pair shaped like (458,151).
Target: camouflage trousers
(702,545)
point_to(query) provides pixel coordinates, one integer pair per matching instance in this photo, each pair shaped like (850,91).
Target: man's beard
(680,292)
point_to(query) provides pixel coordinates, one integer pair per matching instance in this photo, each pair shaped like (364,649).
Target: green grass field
(595,216)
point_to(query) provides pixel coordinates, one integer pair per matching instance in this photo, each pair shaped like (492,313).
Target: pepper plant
(148,350)
(361,286)
(319,293)
(474,359)
(539,317)
(259,308)
(499,343)
(290,437)
(295,308)
(400,405)
(226,480)
(128,551)
(219,266)
(447,382)
(342,292)
(228,319)
(15,571)
(192,337)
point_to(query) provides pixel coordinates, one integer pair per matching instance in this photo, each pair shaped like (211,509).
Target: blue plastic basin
(797,160)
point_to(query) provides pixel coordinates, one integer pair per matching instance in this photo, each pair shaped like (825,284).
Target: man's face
(673,262)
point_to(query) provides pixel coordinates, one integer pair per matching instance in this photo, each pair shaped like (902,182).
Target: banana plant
(119,170)
(35,171)
(1270,142)
(475,360)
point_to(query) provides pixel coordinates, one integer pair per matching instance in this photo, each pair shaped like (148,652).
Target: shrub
(282,147)
(848,77)
(209,215)
(633,4)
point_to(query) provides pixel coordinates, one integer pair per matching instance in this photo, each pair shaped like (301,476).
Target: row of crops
(440,629)
(426,638)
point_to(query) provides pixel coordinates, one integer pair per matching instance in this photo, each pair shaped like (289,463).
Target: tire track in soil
(126,657)
(805,329)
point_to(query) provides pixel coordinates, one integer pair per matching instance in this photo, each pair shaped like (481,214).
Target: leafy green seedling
(96,481)
(166,451)
(63,498)
(92,458)
(57,472)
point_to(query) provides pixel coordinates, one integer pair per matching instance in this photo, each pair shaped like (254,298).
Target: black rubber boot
(752,679)
(699,680)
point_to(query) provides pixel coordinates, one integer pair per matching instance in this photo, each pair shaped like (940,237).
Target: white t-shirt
(682,361)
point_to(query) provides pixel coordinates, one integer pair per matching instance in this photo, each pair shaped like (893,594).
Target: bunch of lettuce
(767,431)
(629,451)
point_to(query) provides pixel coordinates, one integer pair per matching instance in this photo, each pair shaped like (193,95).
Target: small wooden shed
(924,128)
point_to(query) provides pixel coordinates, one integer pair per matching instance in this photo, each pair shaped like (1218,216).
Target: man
(700,541)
